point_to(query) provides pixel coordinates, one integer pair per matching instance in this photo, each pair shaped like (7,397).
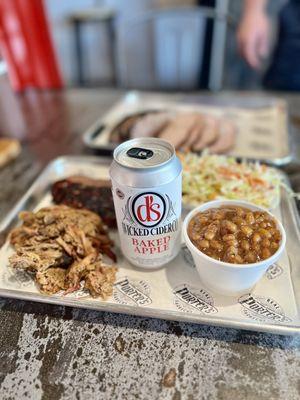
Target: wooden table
(49,352)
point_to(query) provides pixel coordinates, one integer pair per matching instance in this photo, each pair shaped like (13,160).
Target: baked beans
(235,234)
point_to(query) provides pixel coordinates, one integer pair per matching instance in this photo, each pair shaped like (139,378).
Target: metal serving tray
(174,292)
(262,122)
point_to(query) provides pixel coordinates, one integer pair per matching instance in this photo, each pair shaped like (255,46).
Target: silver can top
(144,153)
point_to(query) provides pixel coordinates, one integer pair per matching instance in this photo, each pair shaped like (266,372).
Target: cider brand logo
(149,209)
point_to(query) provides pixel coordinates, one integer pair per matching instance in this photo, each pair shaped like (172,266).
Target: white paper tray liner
(177,287)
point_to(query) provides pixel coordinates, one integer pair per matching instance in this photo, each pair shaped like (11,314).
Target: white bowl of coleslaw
(227,278)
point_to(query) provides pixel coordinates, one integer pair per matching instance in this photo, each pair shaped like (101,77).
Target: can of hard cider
(146,186)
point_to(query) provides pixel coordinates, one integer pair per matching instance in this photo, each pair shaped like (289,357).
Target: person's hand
(253,37)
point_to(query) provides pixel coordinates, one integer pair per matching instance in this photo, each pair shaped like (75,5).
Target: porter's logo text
(132,291)
(189,299)
(262,308)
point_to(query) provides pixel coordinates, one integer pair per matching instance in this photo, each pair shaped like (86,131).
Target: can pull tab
(139,153)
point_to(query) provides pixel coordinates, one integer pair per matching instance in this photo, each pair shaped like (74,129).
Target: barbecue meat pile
(123,130)
(82,192)
(186,131)
(64,246)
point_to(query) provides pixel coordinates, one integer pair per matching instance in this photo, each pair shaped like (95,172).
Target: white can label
(149,222)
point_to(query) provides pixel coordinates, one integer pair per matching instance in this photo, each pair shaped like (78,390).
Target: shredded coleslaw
(211,177)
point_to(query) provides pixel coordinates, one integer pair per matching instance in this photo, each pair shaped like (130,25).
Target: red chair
(26,45)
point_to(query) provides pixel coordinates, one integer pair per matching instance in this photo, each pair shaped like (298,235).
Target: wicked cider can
(146,186)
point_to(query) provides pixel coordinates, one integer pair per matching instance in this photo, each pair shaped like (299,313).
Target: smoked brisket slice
(82,192)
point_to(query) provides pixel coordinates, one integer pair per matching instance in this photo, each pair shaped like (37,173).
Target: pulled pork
(64,246)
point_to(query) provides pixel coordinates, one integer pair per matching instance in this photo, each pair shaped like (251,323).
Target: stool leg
(78,54)
(218,48)
(111,37)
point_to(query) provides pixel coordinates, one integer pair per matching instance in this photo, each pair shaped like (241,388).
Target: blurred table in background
(53,352)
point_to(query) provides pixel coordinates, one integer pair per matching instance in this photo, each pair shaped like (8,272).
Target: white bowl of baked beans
(233,243)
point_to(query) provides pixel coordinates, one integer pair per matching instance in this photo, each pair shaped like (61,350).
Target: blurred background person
(254,36)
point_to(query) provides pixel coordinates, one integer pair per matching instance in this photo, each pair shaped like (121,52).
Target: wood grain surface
(50,352)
